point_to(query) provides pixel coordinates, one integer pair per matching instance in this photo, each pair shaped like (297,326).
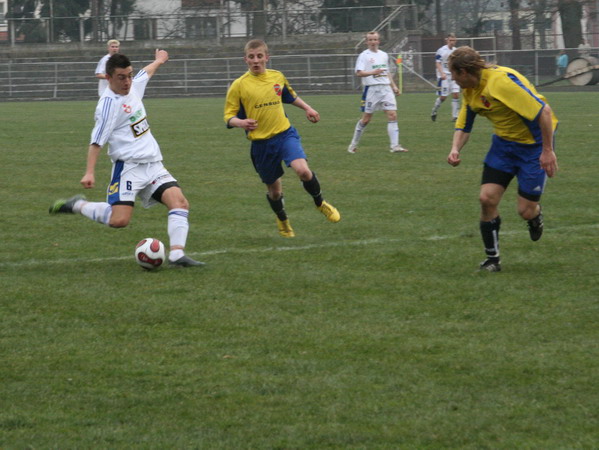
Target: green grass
(377,332)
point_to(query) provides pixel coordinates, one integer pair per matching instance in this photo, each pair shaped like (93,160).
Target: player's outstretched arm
(160,57)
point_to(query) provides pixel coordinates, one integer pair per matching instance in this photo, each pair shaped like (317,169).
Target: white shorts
(130,180)
(378,97)
(446,87)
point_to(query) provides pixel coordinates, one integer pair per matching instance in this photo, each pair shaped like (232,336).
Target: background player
(113,47)
(379,92)
(446,85)
(522,144)
(137,168)
(255,103)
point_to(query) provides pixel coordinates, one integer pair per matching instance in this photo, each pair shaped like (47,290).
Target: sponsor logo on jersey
(127,108)
(140,127)
(278,90)
(135,117)
(262,105)
(486,102)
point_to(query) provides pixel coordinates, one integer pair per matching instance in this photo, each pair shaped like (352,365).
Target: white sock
(97,211)
(358,132)
(178,227)
(455,107)
(175,254)
(437,105)
(393,132)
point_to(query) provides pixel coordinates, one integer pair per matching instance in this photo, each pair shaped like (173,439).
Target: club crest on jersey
(278,90)
(140,127)
(127,108)
(486,102)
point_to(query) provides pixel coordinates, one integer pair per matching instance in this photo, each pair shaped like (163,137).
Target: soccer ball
(150,253)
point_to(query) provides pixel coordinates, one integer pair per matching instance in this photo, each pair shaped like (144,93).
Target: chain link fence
(199,77)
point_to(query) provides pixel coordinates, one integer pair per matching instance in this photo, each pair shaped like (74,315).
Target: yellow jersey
(260,97)
(509,101)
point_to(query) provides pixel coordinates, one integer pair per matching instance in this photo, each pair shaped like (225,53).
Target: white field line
(233,251)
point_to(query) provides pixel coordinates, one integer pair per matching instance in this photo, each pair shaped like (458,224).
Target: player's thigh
(290,147)
(266,159)
(531,178)
(454,88)
(443,88)
(173,198)
(156,183)
(373,100)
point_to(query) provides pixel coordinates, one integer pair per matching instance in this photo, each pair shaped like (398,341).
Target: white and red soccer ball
(150,253)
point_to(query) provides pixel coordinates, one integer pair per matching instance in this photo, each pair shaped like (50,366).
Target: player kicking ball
(137,169)
(255,103)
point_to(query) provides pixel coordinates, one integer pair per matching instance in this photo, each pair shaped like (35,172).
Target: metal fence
(309,74)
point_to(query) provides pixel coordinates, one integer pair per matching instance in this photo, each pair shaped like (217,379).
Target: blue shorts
(521,160)
(267,154)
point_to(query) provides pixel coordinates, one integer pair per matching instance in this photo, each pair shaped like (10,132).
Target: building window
(492,25)
(200,27)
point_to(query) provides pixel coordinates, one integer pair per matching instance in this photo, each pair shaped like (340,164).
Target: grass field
(376,332)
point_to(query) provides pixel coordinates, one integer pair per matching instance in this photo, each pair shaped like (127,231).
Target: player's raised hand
(161,56)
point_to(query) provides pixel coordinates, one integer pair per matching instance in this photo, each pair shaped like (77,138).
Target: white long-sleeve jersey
(121,123)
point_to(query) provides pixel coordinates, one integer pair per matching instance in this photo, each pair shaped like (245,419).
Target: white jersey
(442,56)
(122,124)
(369,60)
(101,68)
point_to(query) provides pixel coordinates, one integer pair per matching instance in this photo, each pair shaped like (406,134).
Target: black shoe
(63,206)
(186,261)
(491,265)
(434,116)
(535,227)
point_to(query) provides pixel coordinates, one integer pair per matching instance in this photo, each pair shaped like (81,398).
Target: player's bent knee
(487,200)
(118,223)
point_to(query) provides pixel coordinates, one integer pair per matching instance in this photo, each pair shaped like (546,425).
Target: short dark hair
(118,60)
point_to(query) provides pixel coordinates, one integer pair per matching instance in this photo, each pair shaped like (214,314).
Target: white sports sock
(178,227)
(393,132)
(97,211)
(358,132)
(437,105)
(175,254)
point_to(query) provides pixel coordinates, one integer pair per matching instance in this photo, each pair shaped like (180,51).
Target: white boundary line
(363,242)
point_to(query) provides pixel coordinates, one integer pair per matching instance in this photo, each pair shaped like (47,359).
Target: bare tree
(570,12)
(514,6)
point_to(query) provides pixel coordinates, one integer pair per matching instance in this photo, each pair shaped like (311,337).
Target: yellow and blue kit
(509,101)
(512,104)
(260,97)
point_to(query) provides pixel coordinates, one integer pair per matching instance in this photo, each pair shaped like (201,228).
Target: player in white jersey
(445,84)
(379,92)
(137,168)
(113,47)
